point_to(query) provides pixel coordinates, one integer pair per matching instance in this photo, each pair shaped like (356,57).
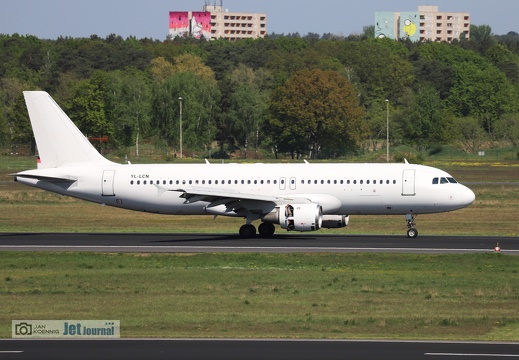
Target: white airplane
(299,197)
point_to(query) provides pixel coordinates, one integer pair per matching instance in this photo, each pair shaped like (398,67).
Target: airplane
(297,197)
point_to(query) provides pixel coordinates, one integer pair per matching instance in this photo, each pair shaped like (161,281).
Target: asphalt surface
(283,243)
(252,349)
(229,349)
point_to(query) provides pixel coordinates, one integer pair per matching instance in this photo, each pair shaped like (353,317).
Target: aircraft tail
(59,141)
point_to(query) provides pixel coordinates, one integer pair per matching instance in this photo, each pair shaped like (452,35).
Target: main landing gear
(265,229)
(411,230)
(247,231)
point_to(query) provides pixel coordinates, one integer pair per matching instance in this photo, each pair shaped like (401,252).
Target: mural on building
(201,24)
(385,25)
(178,23)
(408,26)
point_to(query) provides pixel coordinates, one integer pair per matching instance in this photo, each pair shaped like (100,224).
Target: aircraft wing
(226,195)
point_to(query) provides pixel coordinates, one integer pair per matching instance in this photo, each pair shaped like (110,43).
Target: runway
(253,349)
(285,243)
(230,349)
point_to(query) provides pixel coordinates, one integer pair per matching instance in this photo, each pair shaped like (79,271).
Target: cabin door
(108,182)
(408,186)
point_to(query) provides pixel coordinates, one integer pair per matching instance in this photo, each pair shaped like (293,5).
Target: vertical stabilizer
(59,141)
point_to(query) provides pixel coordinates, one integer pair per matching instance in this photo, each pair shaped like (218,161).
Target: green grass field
(462,297)
(455,297)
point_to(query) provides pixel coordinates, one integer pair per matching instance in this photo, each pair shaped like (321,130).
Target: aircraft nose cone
(467,196)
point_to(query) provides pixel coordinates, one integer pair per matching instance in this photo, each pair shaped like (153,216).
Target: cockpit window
(448,180)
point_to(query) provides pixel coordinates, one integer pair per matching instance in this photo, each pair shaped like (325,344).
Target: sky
(49,19)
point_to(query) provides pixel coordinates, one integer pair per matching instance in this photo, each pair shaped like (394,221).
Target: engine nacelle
(300,217)
(335,221)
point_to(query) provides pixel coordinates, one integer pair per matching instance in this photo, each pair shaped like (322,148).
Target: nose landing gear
(411,230)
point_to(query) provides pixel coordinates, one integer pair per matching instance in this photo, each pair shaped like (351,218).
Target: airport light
(387,130)
(180,100)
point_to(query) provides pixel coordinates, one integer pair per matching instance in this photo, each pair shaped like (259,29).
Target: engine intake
(299,217)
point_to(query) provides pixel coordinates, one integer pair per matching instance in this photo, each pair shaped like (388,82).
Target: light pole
(180,100)
(387,130)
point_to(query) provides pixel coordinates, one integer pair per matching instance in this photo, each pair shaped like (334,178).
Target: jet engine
(335,221)
(299,217)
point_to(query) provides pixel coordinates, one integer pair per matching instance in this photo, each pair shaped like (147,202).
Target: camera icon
(23,329)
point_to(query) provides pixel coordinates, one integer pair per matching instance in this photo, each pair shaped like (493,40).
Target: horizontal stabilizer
(51,179)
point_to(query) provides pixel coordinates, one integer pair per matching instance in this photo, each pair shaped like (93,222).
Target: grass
(464,297)
(450,297)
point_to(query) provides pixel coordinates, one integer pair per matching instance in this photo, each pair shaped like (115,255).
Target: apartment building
(425,24)
(215,22)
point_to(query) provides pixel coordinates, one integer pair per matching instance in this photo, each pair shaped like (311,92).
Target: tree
(193,64)
(128,106)
(378,68)
(507,127)
(248,104)
(469,134)
(485,94)
(369,31)
(161,69)
(19,125)
(200,98)
(86,109)
(316,113)
(14,122)
(426,125)
(480,33)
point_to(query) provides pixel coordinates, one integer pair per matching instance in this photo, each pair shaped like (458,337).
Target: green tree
(469,133)
(128,106)
(86,109)
(248,104)
(193,64)
(426,125)
(316,113)
(507,128)
(480,33)
(485,94)
(378,68)
(19,126)
(504,60)
(200,97)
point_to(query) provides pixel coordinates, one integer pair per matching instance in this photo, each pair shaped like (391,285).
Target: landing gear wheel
(411,230)
(266,229)
(412,233)
(247,231)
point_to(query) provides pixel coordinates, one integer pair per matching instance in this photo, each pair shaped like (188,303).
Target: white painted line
(469,355)
(11,351)
(256,248)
